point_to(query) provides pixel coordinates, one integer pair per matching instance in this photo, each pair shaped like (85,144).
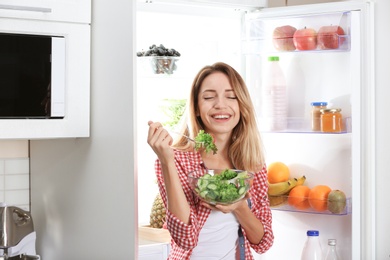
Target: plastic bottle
(274,97)
(331,253)
(312,249)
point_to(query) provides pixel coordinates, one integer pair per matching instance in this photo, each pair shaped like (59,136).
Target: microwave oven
(32,76)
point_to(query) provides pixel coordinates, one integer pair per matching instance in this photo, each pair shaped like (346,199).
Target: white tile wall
(15,174)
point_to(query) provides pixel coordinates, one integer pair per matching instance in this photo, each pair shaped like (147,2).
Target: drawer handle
(26,8)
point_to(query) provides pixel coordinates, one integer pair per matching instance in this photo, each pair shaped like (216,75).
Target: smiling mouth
(221,116)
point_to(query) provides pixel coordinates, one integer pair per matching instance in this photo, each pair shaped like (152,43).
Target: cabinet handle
(26,8)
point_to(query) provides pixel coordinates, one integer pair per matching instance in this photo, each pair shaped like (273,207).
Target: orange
(278,172)
(318,197)
(298,197)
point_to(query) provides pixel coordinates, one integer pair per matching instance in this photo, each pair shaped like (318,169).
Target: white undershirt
(218,238)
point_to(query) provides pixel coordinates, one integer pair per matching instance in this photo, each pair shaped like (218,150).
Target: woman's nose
(220,102)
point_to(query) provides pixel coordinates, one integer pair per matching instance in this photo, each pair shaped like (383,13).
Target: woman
(220,105)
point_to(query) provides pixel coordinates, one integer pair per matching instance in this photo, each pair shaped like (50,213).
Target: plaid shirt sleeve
(261,209)
(184,236)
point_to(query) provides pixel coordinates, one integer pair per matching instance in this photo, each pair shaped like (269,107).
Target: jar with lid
(331,120)
(316,115)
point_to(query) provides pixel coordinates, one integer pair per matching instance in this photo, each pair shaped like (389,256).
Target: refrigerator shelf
(281,203)
(259,46)
(301,33)
(301,125)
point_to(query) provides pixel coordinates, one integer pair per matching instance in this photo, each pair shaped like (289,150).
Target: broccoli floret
(228,174)
(206,141)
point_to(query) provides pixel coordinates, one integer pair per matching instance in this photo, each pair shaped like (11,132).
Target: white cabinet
(149,250)
(50,10)
(69,19)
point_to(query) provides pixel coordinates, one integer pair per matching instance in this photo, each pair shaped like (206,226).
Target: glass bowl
(220,186)
(163,64)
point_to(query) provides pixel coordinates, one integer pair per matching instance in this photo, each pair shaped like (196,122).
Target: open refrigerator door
(340,76)
(320,51)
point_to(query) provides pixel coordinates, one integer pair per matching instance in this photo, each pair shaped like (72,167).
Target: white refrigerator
(342,77)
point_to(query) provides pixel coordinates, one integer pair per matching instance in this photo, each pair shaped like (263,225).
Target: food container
(163,64)
(316,115)
(211,187)
(331,120)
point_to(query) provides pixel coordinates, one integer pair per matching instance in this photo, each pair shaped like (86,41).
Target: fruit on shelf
(278,172)
(277,200)
(298,197)
(328,37)
(337,201)
(305,39)
(158,50)
(282,38)
(318,197)
(281,188)
(284,187)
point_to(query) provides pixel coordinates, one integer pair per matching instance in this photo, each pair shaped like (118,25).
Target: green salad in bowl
(220,186)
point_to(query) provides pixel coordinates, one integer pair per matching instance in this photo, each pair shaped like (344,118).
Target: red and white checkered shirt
(185,236)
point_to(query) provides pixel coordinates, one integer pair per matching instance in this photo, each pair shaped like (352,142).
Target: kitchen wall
(83,190)
(15,174)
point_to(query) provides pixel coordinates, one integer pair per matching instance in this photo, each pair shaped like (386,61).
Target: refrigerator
(342,76)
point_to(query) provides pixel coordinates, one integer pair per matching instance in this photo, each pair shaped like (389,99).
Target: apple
(328,37)
(305,39)
(282,38)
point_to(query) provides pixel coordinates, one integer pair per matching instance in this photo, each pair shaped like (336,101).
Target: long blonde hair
(246,149)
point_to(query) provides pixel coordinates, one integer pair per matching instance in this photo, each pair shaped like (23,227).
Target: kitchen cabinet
(71,21)
(78,11)
(150,250)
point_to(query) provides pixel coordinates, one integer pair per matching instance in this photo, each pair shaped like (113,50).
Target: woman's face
(218,104)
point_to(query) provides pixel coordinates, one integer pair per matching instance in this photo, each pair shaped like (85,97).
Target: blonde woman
(220,105)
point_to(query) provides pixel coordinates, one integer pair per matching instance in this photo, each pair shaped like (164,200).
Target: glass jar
(331,120)
(316,115)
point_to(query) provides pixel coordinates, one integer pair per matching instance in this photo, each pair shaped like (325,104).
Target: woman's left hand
(228,208)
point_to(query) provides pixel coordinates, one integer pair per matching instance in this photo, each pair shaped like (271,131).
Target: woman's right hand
(160,141)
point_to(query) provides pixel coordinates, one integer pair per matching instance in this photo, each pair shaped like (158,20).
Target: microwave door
(58,78)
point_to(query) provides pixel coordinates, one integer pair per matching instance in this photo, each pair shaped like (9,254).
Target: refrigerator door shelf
(323,32)
(282,203)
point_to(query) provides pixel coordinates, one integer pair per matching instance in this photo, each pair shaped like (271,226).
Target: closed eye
(232,97)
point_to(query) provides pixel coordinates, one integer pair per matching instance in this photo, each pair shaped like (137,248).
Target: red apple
(283,38)
(328,37)
(305,39)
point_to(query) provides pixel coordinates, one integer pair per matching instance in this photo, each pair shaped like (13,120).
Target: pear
(337,201)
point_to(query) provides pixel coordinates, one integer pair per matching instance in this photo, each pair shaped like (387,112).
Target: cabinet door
(77,82)
(78,11)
